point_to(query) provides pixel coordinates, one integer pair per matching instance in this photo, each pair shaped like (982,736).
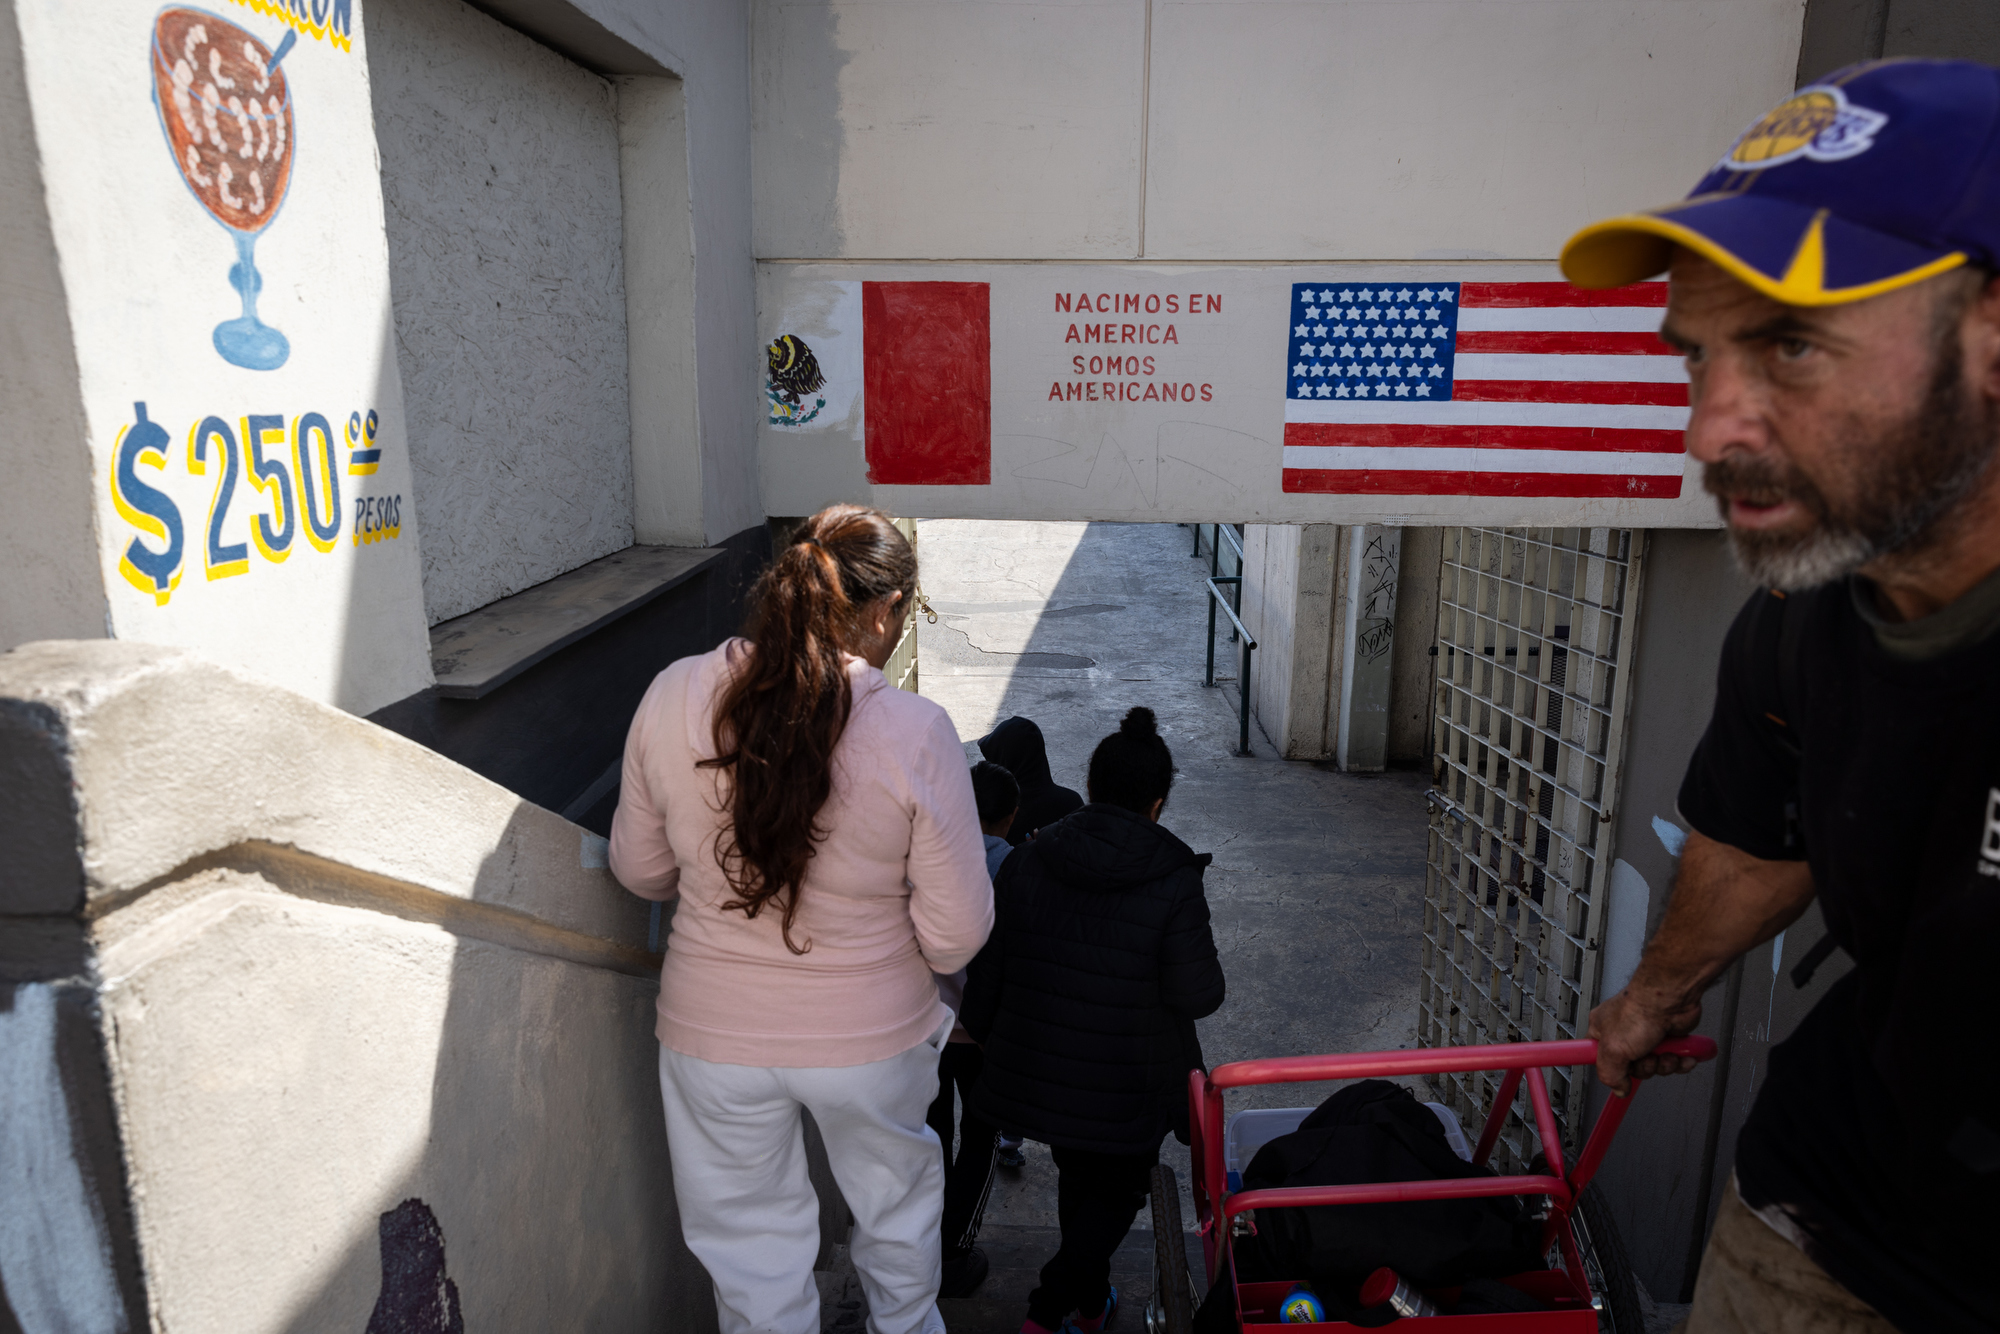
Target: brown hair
(786,706)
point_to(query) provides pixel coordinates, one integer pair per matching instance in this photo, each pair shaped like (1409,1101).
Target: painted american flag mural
(1482,389)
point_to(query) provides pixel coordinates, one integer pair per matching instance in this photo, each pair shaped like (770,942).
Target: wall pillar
(1289,580)
(659,312)
(1367,640)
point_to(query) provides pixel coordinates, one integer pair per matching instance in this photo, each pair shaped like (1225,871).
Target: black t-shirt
(1878,1127)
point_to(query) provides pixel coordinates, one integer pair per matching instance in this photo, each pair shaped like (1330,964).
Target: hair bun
(1139,722)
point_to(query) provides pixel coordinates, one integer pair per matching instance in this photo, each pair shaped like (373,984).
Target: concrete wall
(1028,124)
(1840,32)
(1124,129)
(500,189)
(54,588)
(295,973)
(555,733)
(1414,665)
(1296,591)
(1291,594)
(1142,393)
(513,321)
(661,328)
(198,423)
(1451,136)
(683,72)
(706,44)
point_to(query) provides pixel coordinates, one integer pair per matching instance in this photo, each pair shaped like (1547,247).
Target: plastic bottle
(1301,1307)
(1386,1286)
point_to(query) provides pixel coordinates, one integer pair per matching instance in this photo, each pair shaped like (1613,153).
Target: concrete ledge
(172,758)
(477,653)
(295,981)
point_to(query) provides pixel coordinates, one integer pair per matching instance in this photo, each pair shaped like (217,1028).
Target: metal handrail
(1248,641)
(1241,629)
(1221,530)
(1228,530)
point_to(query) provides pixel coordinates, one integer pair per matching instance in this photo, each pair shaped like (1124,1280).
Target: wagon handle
(1521,1060)
(1431,1061)
(1613,1115)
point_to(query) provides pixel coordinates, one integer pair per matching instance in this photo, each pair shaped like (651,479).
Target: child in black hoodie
(1016,744)
(1085,999)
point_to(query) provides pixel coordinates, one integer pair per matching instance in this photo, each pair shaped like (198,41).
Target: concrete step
(1017,1254)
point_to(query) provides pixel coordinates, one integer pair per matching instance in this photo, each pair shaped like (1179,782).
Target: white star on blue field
(1370,340)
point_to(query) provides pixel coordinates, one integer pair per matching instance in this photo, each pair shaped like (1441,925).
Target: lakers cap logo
(1817,123)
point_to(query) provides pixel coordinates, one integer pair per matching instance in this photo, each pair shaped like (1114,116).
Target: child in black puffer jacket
(1085,999)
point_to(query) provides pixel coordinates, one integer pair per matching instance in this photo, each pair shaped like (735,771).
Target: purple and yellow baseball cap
(1878,176)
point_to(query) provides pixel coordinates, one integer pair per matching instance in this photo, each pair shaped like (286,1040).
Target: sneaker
(1009,1154)
(963,1273)
(1077,1326)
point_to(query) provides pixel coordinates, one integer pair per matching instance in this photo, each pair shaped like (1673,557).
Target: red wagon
(1587,1265)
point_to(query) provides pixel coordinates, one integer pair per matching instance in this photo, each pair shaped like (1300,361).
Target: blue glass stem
(247,341)
(243,275)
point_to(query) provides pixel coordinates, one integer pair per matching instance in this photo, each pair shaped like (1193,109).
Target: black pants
(1097,1197)
(968,1177)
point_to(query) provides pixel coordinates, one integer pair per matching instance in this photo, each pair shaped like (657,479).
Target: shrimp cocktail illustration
(227,113)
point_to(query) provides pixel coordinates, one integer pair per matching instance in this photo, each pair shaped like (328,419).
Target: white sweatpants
(749,1211)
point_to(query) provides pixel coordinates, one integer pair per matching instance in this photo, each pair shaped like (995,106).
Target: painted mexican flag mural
(908,365)
(217,215)
(1443,393)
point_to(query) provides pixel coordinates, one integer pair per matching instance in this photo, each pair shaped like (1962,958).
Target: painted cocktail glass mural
(227,113)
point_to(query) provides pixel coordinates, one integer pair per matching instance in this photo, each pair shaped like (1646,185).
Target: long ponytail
(784,709)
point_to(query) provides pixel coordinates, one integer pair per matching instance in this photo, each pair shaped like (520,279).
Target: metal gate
(1534,635)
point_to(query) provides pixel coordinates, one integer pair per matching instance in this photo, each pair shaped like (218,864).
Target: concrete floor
(1317,884)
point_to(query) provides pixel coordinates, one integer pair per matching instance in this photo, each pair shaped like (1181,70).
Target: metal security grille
(1534,633)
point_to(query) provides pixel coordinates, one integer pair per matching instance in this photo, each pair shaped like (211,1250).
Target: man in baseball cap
(1833,289)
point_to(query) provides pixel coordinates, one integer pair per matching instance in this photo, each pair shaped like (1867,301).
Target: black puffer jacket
(1087,991)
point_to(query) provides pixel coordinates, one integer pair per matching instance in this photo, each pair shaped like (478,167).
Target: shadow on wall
(555,733)
(539,1194)
(799,94)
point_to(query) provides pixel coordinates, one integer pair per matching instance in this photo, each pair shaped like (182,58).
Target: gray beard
(1819,557)
(1917,473)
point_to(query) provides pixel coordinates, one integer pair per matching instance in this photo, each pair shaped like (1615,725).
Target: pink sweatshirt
(896,892)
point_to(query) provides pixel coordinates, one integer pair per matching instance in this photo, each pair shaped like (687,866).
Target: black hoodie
(1086,994)
(1017,745)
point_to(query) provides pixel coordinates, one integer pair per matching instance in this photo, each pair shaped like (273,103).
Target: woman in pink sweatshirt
(818,827)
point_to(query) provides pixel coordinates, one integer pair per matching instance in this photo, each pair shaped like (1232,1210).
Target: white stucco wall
(500,187)
(247,475)
(1477,129)
(330,987)
(902,131)
(1263,129)
(707,44)
(1122,452)
(54,589)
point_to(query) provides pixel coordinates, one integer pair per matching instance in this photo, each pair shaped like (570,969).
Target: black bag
(1375,1131)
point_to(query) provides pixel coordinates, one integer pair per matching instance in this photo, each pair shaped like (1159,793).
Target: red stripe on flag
(1560,294)
(1637,393)
(928,378)
(1598,439)
(1570,341)
(1329,482)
